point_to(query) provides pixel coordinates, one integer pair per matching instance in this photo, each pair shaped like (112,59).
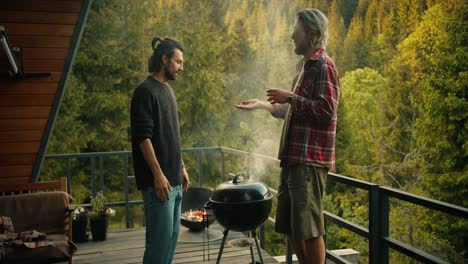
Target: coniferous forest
(403,107)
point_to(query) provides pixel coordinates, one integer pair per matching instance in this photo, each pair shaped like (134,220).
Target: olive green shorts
(299,210)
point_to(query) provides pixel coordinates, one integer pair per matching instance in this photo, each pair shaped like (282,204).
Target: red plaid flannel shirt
(313,115)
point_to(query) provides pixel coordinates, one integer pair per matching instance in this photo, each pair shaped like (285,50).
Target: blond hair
(315,23)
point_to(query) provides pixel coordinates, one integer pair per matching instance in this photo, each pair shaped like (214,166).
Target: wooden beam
(32,112)
(21,125)
(38,65)
(40,41)
(38,17)
(23,88)
(19,148)
(60,185)
(41,53)
(26,100)
(20,29)
(15,180)
(15,171)
(84,7)
(42,6)
(16,160)
(20,136)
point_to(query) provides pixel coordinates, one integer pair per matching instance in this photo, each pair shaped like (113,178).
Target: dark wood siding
(45,30)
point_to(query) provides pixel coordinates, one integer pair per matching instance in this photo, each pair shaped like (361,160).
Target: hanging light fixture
(9,51)
(16,66)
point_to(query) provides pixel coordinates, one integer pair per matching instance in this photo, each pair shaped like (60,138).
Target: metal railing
(377,232)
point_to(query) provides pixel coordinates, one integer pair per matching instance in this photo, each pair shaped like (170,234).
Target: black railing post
(384,226)
(93,168)
(127,222)
(67,168)
(375,228)
(200,169)
(374,233)
(101,173)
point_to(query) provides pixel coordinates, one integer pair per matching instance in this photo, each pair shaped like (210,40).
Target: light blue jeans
(162,225)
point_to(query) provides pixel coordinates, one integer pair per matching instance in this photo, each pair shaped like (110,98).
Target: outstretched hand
(249,105)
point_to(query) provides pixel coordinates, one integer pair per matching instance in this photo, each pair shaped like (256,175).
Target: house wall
(46,30)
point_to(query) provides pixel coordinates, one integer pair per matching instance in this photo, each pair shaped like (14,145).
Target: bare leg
(311,251)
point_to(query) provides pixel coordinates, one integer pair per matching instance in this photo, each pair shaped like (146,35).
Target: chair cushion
(45,212)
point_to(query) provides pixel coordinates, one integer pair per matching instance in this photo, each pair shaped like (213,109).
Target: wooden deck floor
(127,246)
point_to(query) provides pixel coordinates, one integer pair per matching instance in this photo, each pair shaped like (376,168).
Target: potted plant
(99,214)
(80,221)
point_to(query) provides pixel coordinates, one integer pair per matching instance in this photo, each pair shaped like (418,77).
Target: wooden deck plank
(127,246)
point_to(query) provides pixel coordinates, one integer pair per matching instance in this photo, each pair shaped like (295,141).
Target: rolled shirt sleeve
(279,110)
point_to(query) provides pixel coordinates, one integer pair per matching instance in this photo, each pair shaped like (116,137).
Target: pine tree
(354,48)
(336,34)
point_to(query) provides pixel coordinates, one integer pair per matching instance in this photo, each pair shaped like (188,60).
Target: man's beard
(169,75)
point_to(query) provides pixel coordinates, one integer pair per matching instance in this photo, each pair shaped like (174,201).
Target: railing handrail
(351,181)
(121,153)
(377,234)
(433,204)
(236,151)
(88,155)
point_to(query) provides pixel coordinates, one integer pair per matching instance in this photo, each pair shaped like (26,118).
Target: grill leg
(226,231)
(258,247)
(251,251)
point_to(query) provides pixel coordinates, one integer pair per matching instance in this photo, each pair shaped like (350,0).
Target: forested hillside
(403,107)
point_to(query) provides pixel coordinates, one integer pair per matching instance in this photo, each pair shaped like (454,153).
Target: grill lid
(240,191)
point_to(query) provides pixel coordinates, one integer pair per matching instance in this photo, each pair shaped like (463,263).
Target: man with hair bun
(307,148)
(160,173)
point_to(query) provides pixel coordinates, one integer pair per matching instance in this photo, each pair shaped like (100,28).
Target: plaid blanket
(30,239)
(26,236)
(6,225)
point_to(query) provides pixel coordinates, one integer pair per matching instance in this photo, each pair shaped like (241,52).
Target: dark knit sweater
(154,115)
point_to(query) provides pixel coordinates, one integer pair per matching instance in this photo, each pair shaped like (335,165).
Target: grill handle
(208,205)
